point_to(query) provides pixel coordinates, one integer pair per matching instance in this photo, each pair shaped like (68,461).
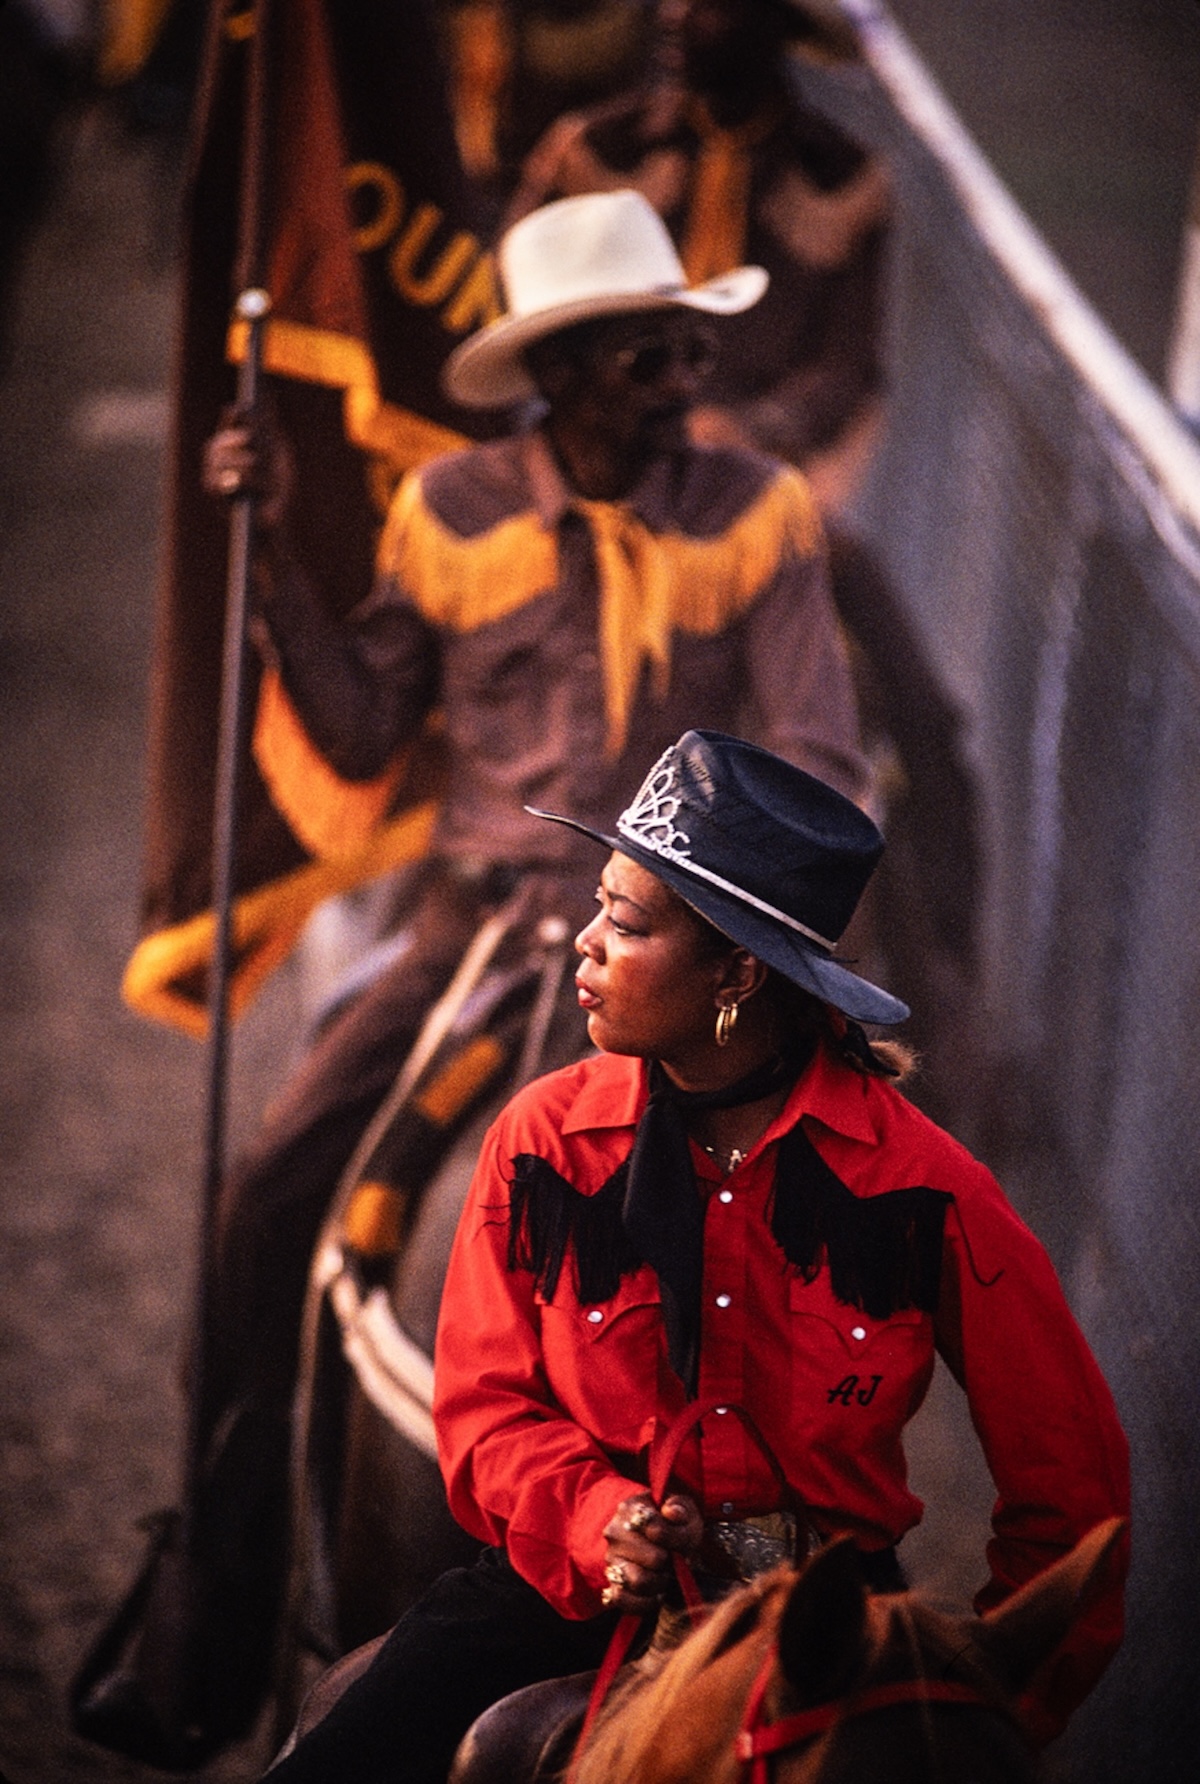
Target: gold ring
(610,1594)
(640,1516)
(229,481)
(616,1575)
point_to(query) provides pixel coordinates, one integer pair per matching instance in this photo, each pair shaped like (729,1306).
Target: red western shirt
(543,1405)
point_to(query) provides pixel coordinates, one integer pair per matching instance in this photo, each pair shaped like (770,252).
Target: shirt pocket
(506,685)
(601,1359)
(849,1368)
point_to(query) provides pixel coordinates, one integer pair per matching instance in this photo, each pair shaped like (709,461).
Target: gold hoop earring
(726,1023)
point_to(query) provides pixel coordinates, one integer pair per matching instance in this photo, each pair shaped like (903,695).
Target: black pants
(477,1634)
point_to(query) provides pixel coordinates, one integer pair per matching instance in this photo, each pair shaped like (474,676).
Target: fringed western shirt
(855,1242)
(563,644)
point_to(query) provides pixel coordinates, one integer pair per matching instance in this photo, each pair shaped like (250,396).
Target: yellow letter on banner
(374,176)
(446,271)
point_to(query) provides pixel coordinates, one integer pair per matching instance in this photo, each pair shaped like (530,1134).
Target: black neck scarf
(662,1214)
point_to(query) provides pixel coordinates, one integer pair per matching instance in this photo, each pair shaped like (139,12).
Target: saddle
(530,1734)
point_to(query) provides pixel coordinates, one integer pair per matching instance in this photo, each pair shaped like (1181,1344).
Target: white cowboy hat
(604,254)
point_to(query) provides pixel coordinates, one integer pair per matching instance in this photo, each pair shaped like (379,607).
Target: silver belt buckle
(756,1545)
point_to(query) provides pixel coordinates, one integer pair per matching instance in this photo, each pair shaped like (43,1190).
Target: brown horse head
(808,1676)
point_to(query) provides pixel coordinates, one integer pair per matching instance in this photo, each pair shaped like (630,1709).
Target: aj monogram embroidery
(849,1393)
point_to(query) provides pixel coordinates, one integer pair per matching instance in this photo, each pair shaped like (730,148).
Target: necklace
(734,1158)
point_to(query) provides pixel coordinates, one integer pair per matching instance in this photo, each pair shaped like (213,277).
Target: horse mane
(643,1703)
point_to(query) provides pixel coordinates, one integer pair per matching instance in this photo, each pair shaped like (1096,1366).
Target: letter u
(447,269)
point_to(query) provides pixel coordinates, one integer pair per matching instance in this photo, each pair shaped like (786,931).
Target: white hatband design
(650,822)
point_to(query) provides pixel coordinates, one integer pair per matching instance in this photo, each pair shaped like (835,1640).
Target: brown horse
(804,1678)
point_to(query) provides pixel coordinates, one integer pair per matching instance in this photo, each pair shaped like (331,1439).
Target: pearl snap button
(595,1316)
(720,1411)
(724,1300)
(858,1332)
(726,1195)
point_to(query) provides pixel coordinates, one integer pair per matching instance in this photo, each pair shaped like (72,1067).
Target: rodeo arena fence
(1034,505)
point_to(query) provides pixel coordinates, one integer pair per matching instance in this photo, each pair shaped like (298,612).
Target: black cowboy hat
(772,856)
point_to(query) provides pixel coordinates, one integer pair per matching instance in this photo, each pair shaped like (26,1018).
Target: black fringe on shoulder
(884,1252)
(549,1214)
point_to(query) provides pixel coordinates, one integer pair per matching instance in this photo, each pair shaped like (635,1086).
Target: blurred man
(740,171)
(516,65)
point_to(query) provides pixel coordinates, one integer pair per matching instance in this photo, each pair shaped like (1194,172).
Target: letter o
(373,176)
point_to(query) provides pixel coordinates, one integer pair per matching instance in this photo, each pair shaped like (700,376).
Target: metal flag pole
(144,1689)
(251,307)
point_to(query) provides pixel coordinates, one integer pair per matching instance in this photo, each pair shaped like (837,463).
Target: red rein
(757,1739)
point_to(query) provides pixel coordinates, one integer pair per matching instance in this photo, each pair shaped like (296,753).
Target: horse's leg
(394,1533)
(372,1530)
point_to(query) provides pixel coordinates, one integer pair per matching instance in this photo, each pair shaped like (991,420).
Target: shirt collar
(614,1095)
(551,493)
(832,1093)
(553,497)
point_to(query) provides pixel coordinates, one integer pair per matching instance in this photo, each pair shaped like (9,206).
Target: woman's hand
(641,1540)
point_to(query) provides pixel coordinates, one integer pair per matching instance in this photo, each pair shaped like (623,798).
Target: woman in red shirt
(732,1203)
